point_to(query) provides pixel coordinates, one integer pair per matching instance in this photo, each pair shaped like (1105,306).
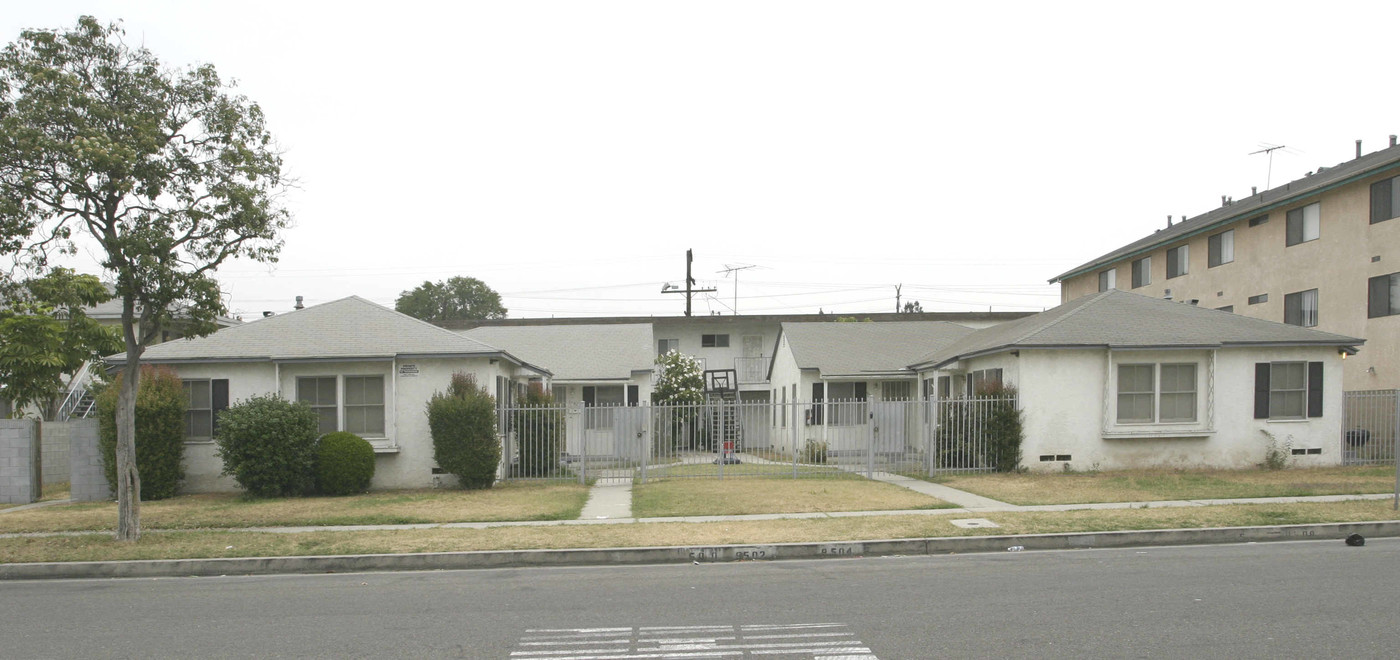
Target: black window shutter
(860,391)
(1261,390)
(1314,389)
(1295,227)
(1213,251)
(1378,297)
(589,395)
(1293,309)
(633,394)
(219,395)
(1380,201)
(818,395)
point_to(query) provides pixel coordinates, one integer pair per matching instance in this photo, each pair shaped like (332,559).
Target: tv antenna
(689,289)
(1269,150)
(735,269)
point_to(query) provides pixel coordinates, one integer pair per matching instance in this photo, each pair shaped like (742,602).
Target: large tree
(164,174)
(457,298)
(45,333)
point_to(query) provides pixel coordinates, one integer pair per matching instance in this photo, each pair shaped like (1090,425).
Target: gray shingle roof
(843,349)
(577,352)
(1285,195)
(1121,319)
(347,328)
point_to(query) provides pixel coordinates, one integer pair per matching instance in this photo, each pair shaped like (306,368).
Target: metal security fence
(1370,427)
(731,438)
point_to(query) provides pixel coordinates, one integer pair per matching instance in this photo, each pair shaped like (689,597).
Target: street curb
(697,554)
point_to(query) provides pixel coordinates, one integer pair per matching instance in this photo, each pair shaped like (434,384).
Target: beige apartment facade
(1321,252)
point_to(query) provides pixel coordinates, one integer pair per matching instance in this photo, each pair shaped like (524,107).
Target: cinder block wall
(55,442)
(86,482)
(19,461)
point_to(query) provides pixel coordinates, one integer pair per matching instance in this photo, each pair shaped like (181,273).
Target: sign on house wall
(408,371)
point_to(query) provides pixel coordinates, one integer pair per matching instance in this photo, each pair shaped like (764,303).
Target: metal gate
(1370,427)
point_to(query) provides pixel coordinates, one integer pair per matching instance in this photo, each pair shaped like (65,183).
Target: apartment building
(1320,252)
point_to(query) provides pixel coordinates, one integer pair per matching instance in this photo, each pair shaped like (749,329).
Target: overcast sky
(568,153)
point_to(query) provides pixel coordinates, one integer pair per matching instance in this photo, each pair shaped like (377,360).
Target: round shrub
(268,445)
(344,464)
(160,432)
(463,426)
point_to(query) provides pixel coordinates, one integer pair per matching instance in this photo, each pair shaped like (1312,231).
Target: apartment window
(664,346)
(1142,272)
(847,403)
(1108,279)
(204,398)
(714,341)
(598,402)
(1385,200)
(364,405)
(1287,390)
(1178,259)
(1300,308)
(1304,224)
(1383,296)
(1221,248)
(1150,393)
(978,382)
(1258,220)
(319,393)
(1259,299)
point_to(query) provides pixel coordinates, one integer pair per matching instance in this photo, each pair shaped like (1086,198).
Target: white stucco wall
(406,421)
(689,332)
(1069,399)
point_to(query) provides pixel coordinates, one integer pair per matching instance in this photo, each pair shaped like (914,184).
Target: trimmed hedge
(344,464)
(160,432)
(268,445)
(463,426)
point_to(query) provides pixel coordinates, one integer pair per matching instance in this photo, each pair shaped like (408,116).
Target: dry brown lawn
(173,545)
(510,501)
(1158,485)
(713,497)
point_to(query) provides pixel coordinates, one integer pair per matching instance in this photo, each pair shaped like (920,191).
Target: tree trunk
(128,478)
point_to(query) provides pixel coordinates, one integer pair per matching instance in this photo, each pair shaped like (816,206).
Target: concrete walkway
(609,501)
(948,494)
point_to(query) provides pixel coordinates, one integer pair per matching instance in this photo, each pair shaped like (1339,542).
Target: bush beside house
(462,422)
(539,433)
(160,432)
(984,431)
(268,445)
(344,464)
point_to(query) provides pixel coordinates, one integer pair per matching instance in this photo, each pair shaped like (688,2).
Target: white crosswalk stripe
(818,641)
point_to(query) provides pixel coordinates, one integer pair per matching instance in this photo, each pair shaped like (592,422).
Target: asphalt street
(1308,598)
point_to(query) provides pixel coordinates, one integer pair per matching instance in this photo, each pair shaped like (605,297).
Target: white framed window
(1152,393)
(1288,390)
(1142,272)
(319,392)
(1383,296)
(714,341)
(1304,224)
(982,380)
(664,346)
(199,409)
(1221,248)
(598,402)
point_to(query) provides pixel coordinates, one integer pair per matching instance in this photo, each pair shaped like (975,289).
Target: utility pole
(735,269)
(897,287)
(689,284)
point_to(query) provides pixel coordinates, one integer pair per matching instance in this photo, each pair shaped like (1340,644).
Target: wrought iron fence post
(1395,448)
(795,436)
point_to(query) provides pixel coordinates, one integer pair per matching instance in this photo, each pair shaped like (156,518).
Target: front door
(754,369)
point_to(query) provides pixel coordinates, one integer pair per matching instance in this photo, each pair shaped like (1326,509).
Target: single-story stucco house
(846,372)
(1120,380)
(364,369)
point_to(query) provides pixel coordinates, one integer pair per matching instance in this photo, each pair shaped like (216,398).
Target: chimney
(1224,201)
(1392,140)
(1169,221)
(299,305)
(1358,148)
(1253,190)
(268,314)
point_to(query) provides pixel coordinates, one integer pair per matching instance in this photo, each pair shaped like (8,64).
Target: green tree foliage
(166,172)
(982,431)
(539,433)
(679,393)
(463,425)
(912,307)
(344,464)
(268,445)
(160,425)
(45,334)
(456,298)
